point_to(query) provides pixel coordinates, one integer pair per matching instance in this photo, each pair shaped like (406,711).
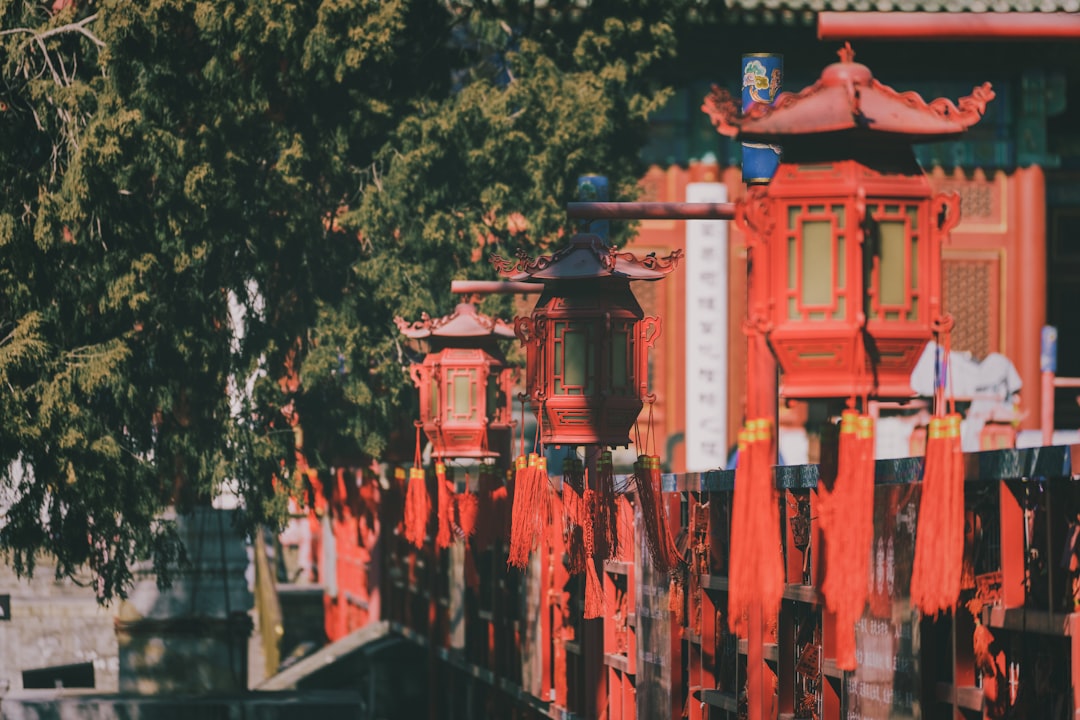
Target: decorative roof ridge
(722,110)
(610,260)
(773,9)
(427,326)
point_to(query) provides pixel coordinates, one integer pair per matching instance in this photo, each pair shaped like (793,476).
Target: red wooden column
(761,402)
(1026,306)
(1013,570)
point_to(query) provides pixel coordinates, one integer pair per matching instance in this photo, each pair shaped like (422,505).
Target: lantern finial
(846,53)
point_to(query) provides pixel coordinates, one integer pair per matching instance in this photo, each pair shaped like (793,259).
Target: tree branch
(79,27)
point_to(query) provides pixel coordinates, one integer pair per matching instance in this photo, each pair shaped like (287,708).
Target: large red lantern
(587,340)
(845,242)
(464,382)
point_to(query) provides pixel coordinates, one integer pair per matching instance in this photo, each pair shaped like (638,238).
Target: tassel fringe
(847,521)
(417,507)
(658,538)
(939,540)
(756,568)
(531,510)
(445,535)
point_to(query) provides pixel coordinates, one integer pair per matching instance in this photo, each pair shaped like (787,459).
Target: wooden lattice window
(971,293)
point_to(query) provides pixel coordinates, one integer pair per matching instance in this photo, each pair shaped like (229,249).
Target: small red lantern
(845,241)
(587,340)
(464,382)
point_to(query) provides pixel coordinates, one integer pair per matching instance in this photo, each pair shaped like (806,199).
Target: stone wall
(54,623)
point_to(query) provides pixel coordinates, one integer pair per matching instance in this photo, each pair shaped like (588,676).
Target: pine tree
(210,213)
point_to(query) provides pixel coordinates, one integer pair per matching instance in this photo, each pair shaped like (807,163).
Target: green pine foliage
(324,167)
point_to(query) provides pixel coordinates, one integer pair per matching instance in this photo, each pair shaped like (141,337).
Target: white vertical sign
(706,334)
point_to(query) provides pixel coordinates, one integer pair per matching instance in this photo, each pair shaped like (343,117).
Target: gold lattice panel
(971,293)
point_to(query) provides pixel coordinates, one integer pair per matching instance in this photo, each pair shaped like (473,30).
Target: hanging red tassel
(604,512)
(658,538)
(574,516)
(594,591)
(532,508)
(677,599)
(417,507)
(445,535)
(573,474)
(847,522)
(756,568)
(939,540)
(468,508)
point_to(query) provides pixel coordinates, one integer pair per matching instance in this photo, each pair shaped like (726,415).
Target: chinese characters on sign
(706,334)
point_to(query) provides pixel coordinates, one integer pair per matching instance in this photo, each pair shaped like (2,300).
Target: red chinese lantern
(587,340)
(846,239)
(464,382)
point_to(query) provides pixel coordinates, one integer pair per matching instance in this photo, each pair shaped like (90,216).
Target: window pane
(792,249)
(574,359)
(841,308)
(618,361)
(914,262)
(841,260)
(462,398)
(838,213)
(493,395)
(817,265)
(891,270)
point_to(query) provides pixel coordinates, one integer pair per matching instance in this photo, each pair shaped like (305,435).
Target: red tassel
(653,513)
(939,540)
(445,535)
(847,521)
(677,600)
(574,518)
(604,512)
(532,507)
(757,570)
(594,592)
(573,474)
(468,508)
(417,507)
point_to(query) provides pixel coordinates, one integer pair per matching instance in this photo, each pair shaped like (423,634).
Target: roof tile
(912,5)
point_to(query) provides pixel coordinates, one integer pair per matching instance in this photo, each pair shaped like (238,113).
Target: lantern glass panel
(817,263)
(620,342)
(573,359)
(792,259)
(892,290)
(493,394)
(433,393)
(841,261)
(459,395)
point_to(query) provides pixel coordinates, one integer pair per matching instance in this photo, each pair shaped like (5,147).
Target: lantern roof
(847,99)
(587,257)
(463,322)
